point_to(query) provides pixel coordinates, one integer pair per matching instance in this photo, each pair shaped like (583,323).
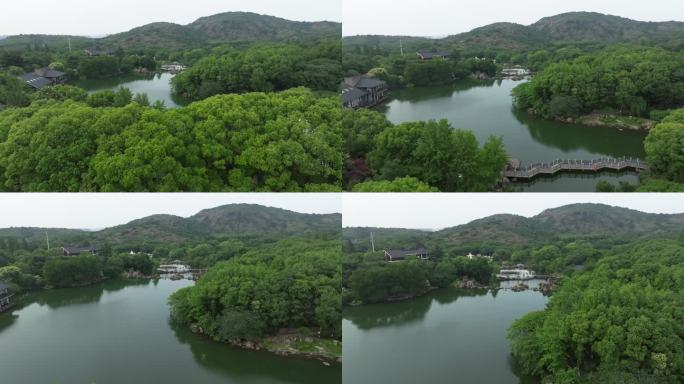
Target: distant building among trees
(363,91)
(427,55)
(44,77)
(75,251)
(399,255)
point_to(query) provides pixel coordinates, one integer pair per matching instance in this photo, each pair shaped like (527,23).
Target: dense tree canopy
(403,184)
(13,91)
(632,81)
(431,152)
(62,272)
(622,319)
(262,68)
(665,148)
(435,153)
(294,283)
(277,142)
(370,279)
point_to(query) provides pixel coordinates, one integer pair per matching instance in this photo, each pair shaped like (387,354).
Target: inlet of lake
(447,336)
(157,86)
(486,108)
(119,332)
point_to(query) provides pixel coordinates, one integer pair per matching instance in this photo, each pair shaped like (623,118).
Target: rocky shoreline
(290,343)
(609,120)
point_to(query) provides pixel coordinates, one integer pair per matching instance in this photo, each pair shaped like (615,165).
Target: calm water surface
(485,107)
(157,87)
(449,336)
(118,332)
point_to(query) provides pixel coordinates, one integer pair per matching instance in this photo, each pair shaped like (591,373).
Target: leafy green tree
(72,271)
(142,99)
(61,93)
(616,318)
(293,283)
(122,97)
(604,186)
(290,141)
(12,91)
(438,155)
(404,184)
(663,147)
(629,80)
(234,325)
(262,68)
(99,67)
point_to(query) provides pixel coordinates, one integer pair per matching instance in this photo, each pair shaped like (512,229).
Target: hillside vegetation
(287,141)
(503,235)
(242,220)
(615,317)
(567,28)
(220,28)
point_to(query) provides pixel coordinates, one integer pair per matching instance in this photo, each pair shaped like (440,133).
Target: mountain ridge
(569,27)
(243,220)
(226,27)
(578,220)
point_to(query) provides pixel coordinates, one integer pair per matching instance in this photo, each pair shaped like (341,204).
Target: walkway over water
(514,171)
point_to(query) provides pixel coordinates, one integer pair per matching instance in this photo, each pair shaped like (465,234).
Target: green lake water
(157,86)
(450,336)
(119,332)
(485,107)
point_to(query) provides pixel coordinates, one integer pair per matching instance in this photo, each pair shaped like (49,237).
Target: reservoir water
(485,107)
(119,332)
(447,336)
(157,86)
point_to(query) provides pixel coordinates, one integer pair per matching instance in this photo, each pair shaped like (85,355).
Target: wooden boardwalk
(554,167)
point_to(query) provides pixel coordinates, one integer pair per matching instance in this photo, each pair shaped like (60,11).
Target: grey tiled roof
(363,81)
(350,93)
(80,249)
(35,80)
(430,55)
(49,73)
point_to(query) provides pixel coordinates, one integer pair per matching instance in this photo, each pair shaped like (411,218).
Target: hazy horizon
(106,17)
(439,18)
(436,211)
(94,211)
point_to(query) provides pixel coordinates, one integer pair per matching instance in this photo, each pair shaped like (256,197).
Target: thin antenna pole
(47,239)
(372,242)
(401,46)
(69,44)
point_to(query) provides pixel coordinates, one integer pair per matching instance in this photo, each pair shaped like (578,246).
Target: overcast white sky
(101,210)
(448,17)
(91,17)
(443,210)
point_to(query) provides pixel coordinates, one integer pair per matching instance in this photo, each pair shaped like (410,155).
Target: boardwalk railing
(553,167)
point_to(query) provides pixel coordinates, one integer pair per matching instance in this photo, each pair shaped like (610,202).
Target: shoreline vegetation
(288,342)
(605,119)
(266,110)
(285,299)
(613,316)
(270,278)
(614,72)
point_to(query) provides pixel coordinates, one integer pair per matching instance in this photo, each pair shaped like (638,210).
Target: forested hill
(597,27)
(230,220)
(577,220)
(221,28)
(244,26)
(574,27)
